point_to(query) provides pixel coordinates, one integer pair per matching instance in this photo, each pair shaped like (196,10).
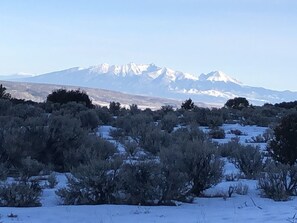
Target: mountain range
(150,80)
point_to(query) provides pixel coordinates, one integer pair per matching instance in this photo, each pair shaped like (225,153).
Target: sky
(254,41)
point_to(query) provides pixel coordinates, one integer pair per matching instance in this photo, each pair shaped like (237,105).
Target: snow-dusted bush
(20,194)
(52,180)
(279,182)
(241,189)
(248,159)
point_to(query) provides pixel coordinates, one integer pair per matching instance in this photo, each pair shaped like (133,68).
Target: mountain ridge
(215,87)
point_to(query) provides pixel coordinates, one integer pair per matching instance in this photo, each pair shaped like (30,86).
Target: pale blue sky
(254,41)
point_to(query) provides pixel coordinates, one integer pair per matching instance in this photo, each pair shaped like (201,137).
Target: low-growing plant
(279,182)
(217,133)
(30,167)
(3,171)
(202,164)
(140,182)
(241,189)
(93,183)
(20,194)
(249,160)
(236,132)
(52,180)
(257,139)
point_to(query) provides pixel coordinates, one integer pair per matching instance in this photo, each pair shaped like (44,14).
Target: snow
(210,208)
(219,76)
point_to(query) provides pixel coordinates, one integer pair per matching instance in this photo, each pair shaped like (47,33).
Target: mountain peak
(218,76)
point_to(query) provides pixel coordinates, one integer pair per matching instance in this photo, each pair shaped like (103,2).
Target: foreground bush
(140,182)
(94,183)
(202,165)
(20,194)
(247,159)
(279,182)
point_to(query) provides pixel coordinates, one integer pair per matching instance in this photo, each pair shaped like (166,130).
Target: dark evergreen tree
(63,96)
(114,107)
(237,103)
(283,147)
(188,104)
(3,93)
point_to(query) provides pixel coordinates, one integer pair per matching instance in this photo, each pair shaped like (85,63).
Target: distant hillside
(39,92)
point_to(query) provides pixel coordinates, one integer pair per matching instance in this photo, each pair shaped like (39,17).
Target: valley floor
(238,208)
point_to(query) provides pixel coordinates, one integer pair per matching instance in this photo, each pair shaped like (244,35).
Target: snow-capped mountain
(148,79)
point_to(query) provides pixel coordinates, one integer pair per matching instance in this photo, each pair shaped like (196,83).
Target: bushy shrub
(30,167)
(152,139)
(257,139)
(201,164)
(229,149)
(168,122)
(3,171)
(241,189)
(140,182)
(236,132)
(52,180)
(190,133)
(20,194)
(217,133)
(93,183)
(279,182)
(104,115)
(176,184)
(130,147)
(248,159)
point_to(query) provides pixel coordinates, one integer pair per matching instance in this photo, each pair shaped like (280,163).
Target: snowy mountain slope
(150,80)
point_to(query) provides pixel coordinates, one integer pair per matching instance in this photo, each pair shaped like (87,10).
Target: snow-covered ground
(238,208)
